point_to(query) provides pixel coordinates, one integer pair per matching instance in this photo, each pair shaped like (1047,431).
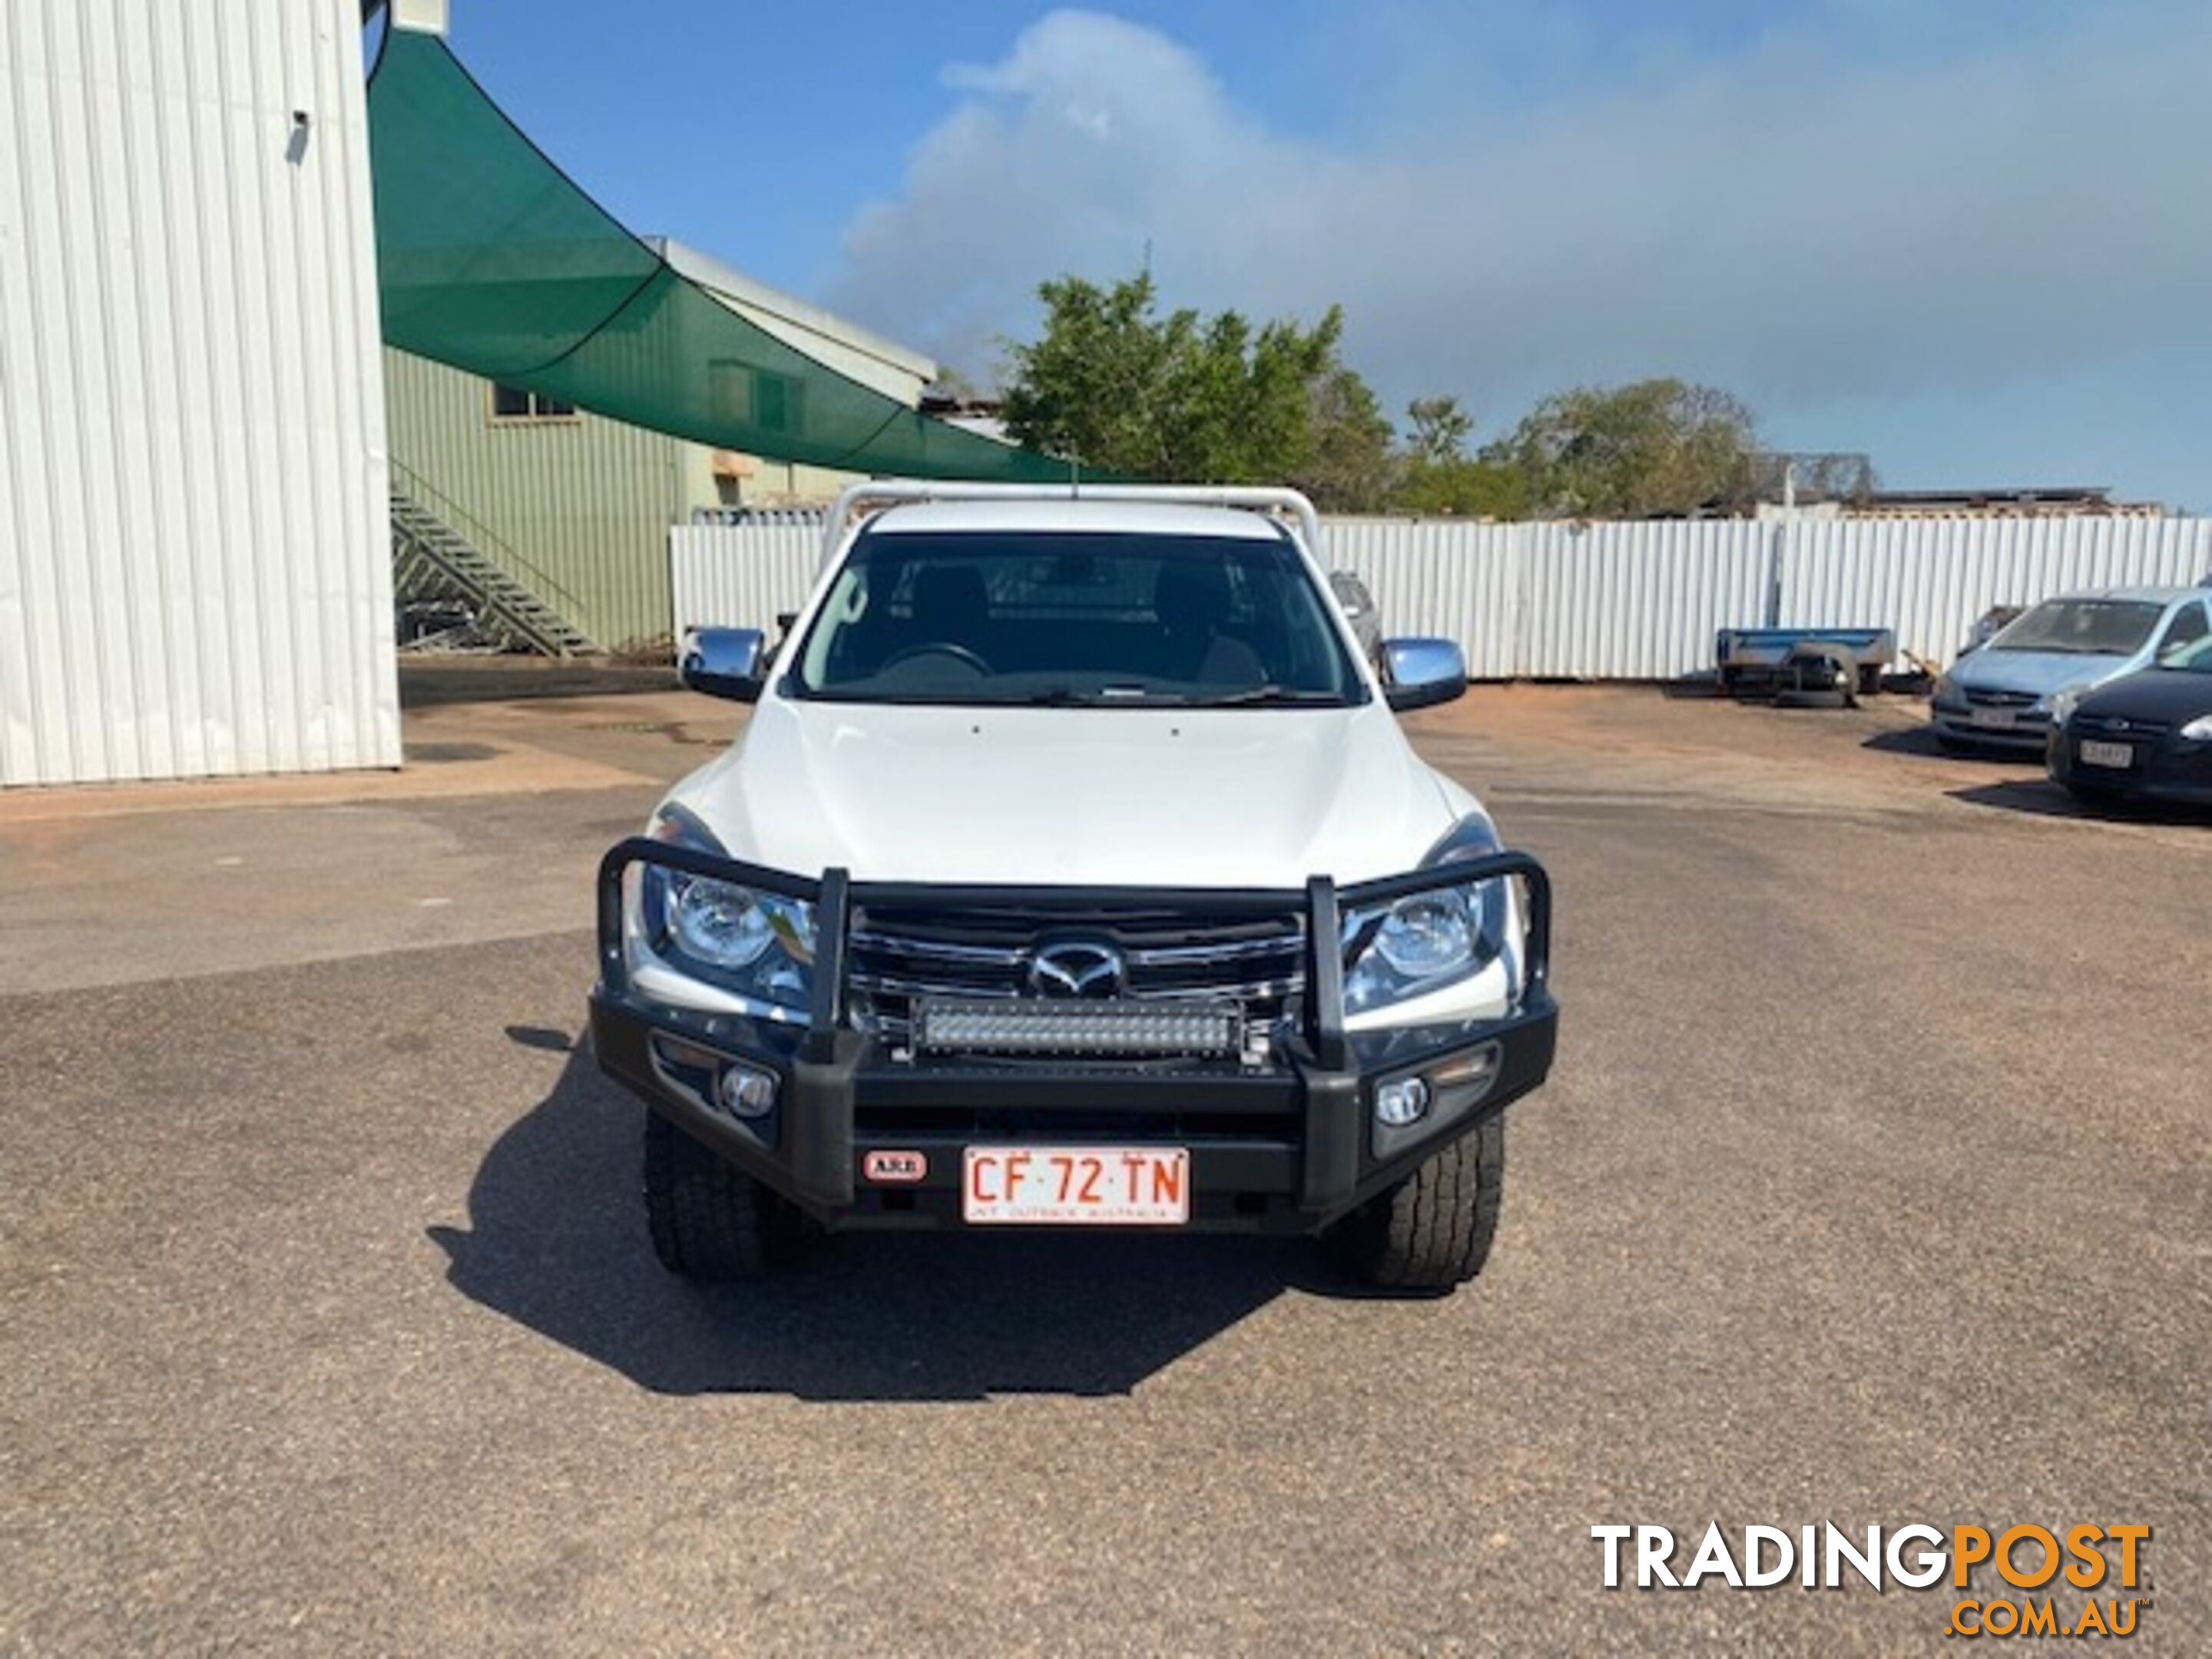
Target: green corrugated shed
(578,508)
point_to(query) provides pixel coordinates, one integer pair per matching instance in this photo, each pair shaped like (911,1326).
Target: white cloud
(1819,219)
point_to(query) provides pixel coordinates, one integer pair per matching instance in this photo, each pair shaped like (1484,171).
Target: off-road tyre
(709,1220)
(1432,1231)
(1839,670)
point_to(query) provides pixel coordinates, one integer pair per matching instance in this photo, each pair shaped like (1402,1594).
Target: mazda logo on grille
(1076,968)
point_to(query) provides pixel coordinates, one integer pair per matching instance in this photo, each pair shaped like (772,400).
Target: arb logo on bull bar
(894,1168)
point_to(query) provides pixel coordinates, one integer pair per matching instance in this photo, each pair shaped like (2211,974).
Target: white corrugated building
(195,564)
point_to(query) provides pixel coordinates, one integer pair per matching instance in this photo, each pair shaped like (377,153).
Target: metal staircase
(432,562)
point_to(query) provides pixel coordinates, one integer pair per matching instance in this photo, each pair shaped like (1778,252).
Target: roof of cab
(1078,514)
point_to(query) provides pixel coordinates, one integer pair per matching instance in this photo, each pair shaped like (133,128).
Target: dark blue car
(2147,735)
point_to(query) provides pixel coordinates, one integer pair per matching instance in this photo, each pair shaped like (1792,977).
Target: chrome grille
(895,955)
(2001,699)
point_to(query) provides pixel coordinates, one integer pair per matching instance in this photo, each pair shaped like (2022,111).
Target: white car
(1072,870)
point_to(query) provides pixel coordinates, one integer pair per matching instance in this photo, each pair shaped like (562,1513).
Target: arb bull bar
(1279,1146)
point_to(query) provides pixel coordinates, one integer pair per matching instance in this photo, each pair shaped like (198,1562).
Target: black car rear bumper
(1285,1147)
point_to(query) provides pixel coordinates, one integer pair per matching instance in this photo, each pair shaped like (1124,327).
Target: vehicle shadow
(2036,797)
(556,1241)
(2041,798)
(1915,740)
(1920,740)
(2031,791)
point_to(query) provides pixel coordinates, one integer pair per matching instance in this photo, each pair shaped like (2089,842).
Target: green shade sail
(490,258)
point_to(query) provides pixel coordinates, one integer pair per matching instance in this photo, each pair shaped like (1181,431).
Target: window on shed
(512,403)
(750,396)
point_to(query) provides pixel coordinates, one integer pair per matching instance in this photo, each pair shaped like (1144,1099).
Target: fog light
(745,1092)
(1414,1108)
(1402,1102)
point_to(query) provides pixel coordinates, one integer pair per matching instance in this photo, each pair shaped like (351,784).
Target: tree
(1114,386)
(1436,475)
(1349,467)
(1088,388)
(1440,429)
(1468,487)
(1656,447)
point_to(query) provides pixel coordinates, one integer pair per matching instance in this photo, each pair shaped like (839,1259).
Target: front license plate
(1996,719)
(2106,754)
(1075,1186)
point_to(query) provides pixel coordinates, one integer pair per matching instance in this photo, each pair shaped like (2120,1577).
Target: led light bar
(1045,1025)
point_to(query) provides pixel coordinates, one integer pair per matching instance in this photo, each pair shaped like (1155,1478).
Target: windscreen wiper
(1105,697)
(1255,696)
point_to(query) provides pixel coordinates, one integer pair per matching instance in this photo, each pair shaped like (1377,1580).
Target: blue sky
(1972,237)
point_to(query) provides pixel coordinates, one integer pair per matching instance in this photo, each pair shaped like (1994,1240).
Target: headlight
(2198,730)
(2063,704)
(720,924)
(1421,942)
(733,926)
(1426,935)
(759,944)
(1945,692)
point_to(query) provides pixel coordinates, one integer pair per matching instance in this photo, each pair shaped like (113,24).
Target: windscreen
(1084,618)
(2092,628)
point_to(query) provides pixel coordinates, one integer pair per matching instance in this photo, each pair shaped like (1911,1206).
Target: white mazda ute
(1073,871)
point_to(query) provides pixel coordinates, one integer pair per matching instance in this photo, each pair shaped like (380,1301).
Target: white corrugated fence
(1929,578)
(1632,601)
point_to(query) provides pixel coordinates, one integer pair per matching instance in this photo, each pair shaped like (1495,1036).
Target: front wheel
(1432,1231)
(709,1220)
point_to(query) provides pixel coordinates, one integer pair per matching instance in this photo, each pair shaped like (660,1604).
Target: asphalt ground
(1871,1187)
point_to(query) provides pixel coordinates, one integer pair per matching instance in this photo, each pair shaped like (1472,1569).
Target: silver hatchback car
(2002,696)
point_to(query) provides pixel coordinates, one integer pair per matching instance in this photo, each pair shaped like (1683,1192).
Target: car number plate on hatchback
(2106,754)
(1996,719)
(1075,1186)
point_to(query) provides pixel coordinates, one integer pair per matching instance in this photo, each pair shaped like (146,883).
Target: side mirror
(1418,673)
(724,662)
